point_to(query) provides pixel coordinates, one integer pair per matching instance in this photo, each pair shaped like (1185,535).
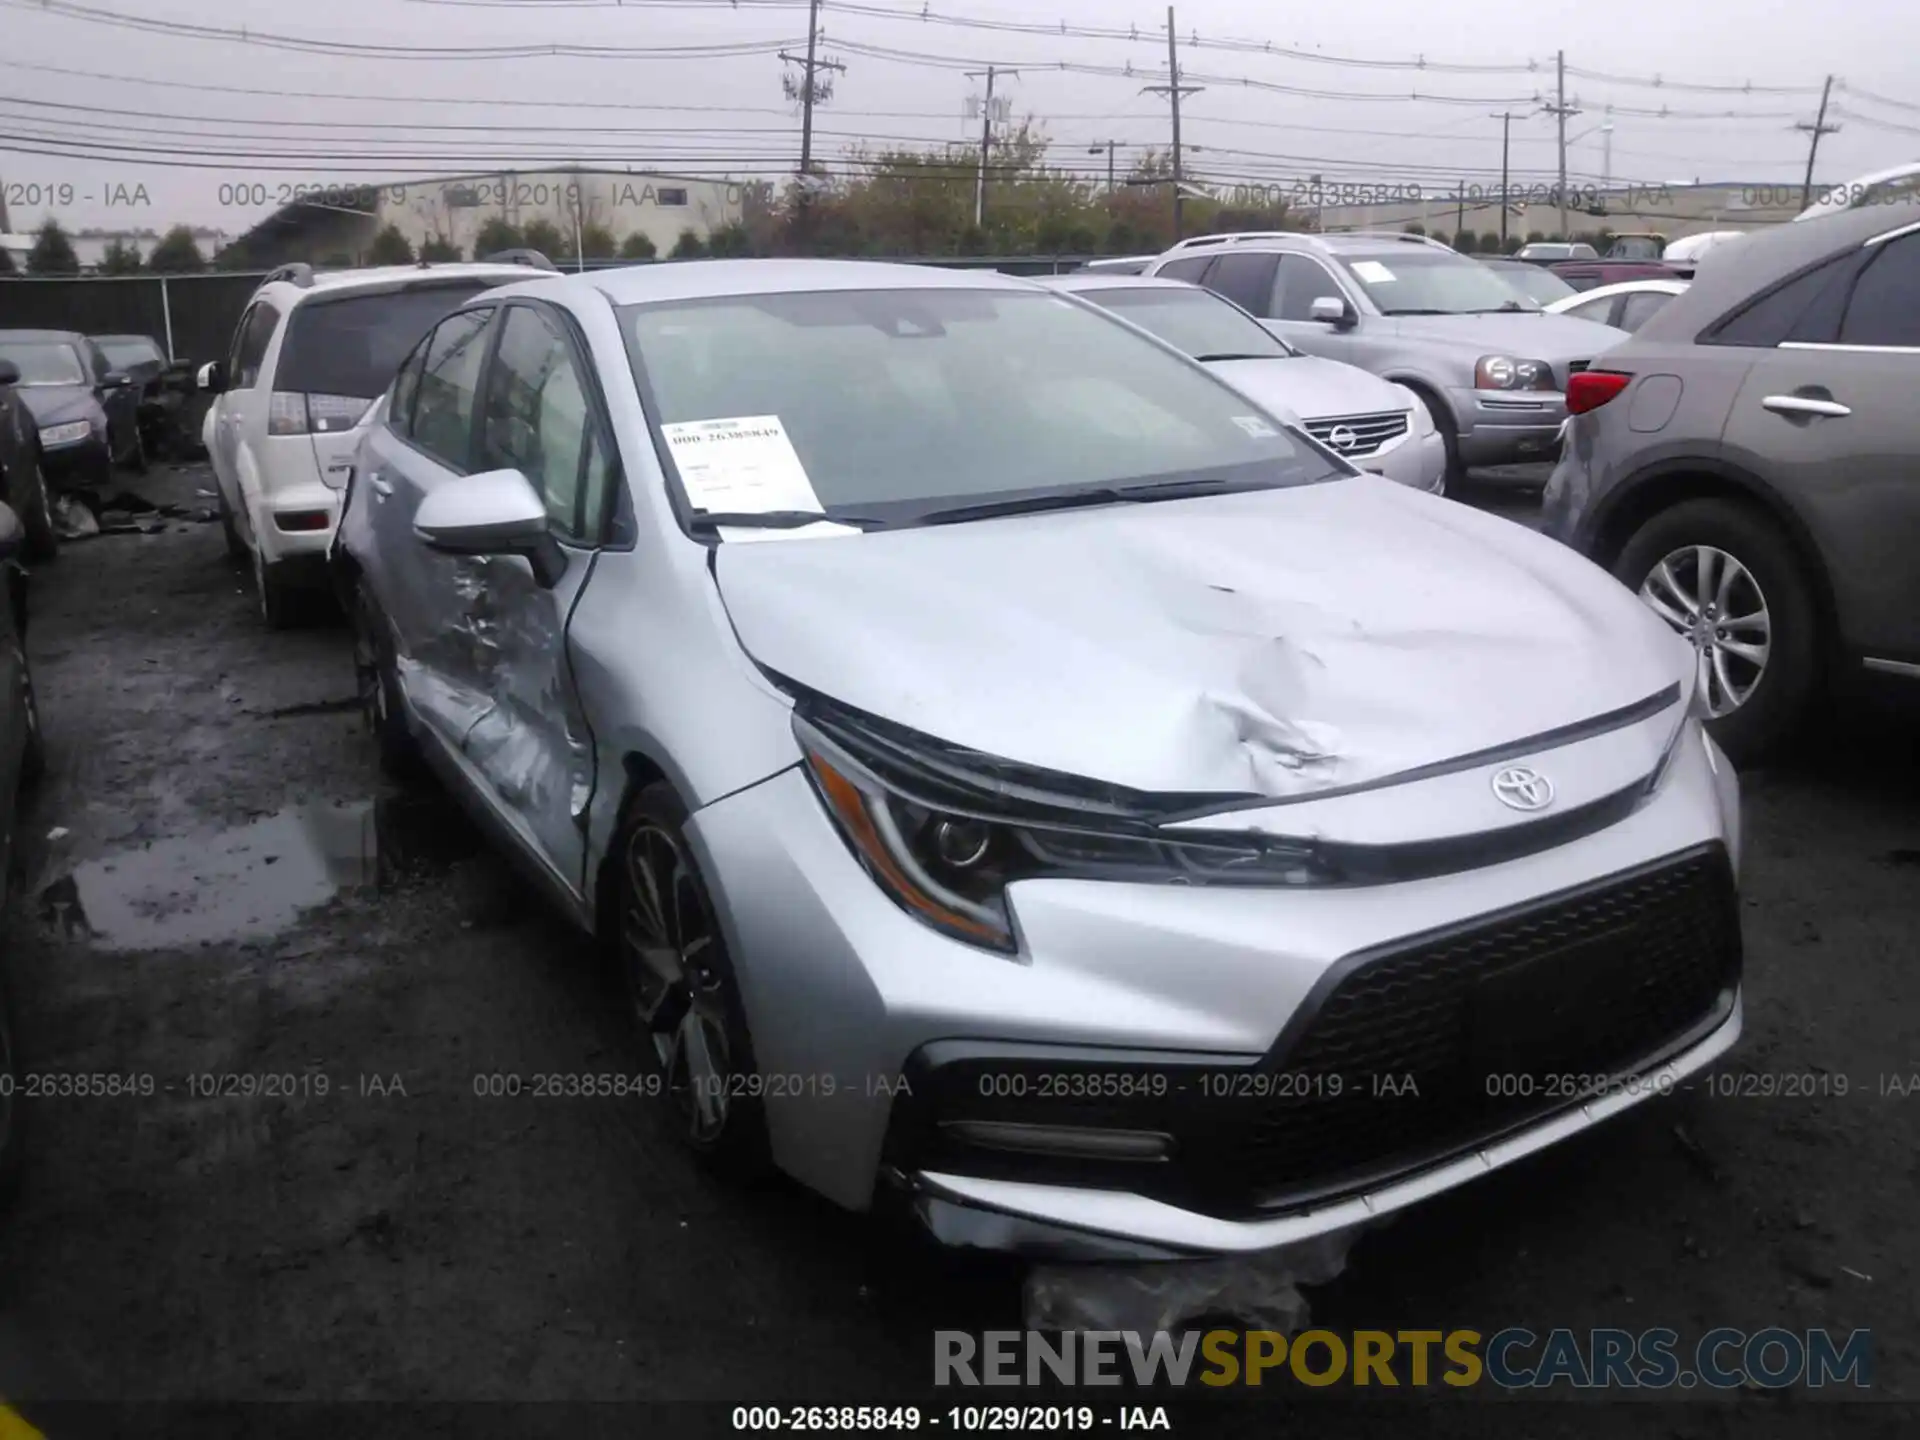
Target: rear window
(353,346)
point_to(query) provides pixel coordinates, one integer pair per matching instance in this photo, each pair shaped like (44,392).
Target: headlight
(950,867)
(66,434)
(1504,372)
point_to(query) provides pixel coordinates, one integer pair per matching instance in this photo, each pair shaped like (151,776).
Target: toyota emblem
(1342,437)
(1521,788)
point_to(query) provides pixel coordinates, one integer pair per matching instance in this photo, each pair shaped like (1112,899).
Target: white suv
(310,356)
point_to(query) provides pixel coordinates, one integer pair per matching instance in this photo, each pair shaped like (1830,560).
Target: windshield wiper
(1511,307)
(772,519)
(1074,499)
(1419,312)
(1236,355)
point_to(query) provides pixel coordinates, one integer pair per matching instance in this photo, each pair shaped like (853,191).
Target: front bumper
(1507,428)
(854,1007)
(1418,461)
(87,462)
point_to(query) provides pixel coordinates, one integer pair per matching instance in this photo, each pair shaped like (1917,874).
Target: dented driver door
(530,746)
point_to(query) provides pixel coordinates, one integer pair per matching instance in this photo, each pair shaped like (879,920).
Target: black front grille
(1451,1041)
(1352,435)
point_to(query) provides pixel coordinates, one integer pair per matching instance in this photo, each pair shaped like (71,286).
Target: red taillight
(1591,389)
(302,519)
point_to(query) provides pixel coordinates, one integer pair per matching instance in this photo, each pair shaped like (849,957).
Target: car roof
(377,278)
(1625,287)
(711,279)
(41,335)
(1763,258)
(144,339)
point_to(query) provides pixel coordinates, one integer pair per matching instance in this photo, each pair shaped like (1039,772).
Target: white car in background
(1375,424)
(310,356)
(1625,306)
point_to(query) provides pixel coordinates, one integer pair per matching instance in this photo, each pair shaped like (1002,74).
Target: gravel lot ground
(217,884)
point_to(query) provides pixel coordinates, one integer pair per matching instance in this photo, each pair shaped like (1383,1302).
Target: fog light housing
(1076,1142)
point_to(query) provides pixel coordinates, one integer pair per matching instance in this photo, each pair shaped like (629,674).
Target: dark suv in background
(1749,462)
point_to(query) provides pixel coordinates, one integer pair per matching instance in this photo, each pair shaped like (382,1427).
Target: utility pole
(986,141)
(1108,148)
(810,88)
(1815,131)
(1173,90)
(1506,143)
(1560,110)
(1459,208)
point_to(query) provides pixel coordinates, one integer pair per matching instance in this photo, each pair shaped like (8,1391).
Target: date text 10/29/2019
(961,1419)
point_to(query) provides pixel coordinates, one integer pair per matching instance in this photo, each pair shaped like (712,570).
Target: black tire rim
(679,1000)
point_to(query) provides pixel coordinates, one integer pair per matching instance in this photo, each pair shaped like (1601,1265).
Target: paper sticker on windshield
(1255,426)
(1372,271)
(745,464)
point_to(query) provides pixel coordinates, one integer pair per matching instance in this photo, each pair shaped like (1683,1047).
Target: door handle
(1804,405)
(382,486)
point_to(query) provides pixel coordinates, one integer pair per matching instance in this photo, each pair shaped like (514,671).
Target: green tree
(495,235)
(1511,244)
(1466,242)
(543,235)
(120,258)
(597,242)
(1414,229)
(689,246)
(730,240)
(1536,237)
(178,253)
(390,247)
(438,250)
(52,252)
(638,246)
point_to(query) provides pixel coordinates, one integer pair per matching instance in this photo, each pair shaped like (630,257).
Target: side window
(406,384)
(444,405)
(1641,307)
(1599,310)
(1189,268)
(1303,281)
(537,420)
(1885,308)
(97,358)
(1247,280)
(1790,311)
(256,333)
(239,338)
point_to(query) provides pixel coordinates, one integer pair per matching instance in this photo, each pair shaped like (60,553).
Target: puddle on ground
(255,880)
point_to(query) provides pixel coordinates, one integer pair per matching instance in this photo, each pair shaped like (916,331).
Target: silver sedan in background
(1020,781)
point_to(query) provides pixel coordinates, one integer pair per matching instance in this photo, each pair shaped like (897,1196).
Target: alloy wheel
(1713,601)
(668,944)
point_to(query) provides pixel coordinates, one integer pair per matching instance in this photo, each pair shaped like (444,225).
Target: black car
(21,762)
(171,406)
(87,412)
(21,481)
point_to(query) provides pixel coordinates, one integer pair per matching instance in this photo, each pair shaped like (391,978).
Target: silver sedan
(1022,782)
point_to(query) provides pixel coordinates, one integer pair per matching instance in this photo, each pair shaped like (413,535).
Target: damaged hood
(59,404)
(1273,642)
(1528,334)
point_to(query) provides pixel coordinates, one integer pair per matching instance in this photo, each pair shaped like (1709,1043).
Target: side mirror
(9,373)
(115,380)
(12,533)
(497,512)
(1331,310)
(212,377)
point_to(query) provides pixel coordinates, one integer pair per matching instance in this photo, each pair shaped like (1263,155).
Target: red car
(1591,274)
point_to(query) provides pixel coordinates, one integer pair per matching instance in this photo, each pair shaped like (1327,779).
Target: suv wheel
(279,602)
(30,501)
(378,685)
(1449,437)
(1726,579)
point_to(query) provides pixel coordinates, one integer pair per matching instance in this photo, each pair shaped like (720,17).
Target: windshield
(354,345)
(1432,282)
(125,354)
(1543,287)
(897,403)
(45,362)
(1196,321)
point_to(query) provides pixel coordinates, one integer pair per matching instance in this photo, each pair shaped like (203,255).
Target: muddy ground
(217,884)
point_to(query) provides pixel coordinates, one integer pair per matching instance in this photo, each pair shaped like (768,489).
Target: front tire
(1725,577)
(679,986)
(378,685)
(1442,418)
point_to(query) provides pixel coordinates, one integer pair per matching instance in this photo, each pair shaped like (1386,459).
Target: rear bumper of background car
(1160,1018)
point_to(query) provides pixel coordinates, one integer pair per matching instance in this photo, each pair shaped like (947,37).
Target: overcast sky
(174,99)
